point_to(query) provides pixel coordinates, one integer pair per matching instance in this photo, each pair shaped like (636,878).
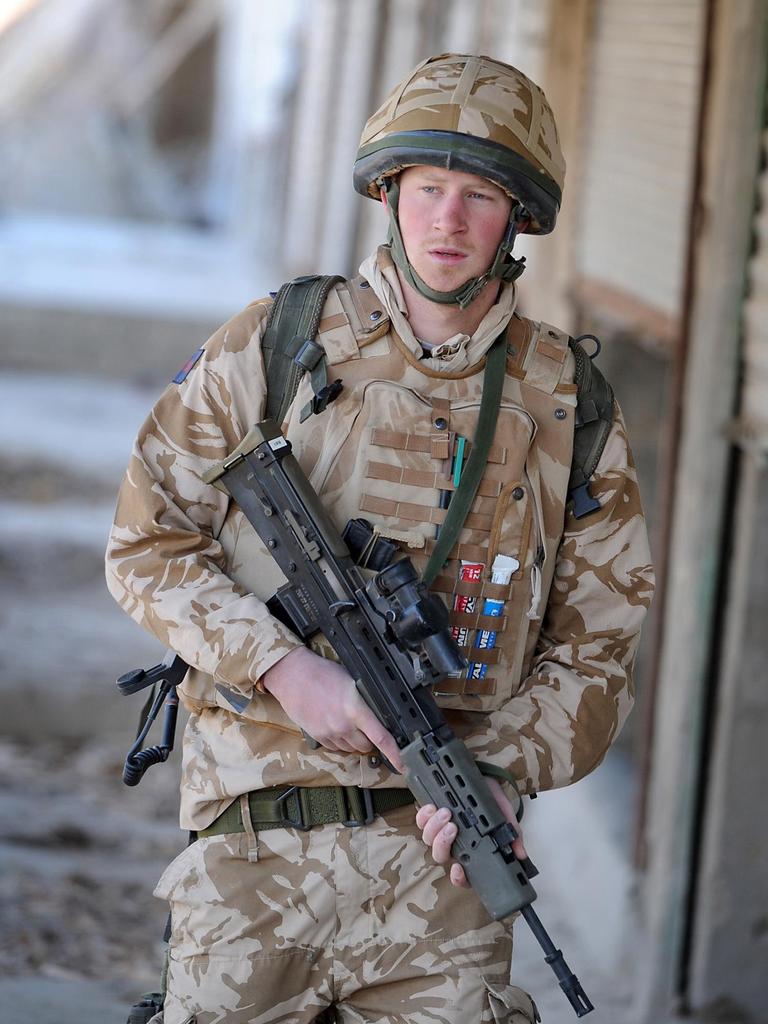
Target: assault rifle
(392,636)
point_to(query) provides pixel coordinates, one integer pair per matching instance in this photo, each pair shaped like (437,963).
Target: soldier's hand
(321,698)
(439,832)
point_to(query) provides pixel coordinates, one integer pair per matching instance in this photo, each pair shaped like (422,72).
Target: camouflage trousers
(280,926)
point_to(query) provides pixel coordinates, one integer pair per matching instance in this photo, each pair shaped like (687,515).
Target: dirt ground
(79,851)
(81,933)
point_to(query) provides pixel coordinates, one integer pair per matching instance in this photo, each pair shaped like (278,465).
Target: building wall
(729,929)
(640,134)
(703,891)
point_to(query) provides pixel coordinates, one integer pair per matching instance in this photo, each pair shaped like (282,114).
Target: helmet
(471,114)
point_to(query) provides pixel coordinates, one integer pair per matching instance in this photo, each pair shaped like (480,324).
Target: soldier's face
(451,223)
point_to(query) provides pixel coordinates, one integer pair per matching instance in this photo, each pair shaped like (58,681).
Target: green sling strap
(493,385)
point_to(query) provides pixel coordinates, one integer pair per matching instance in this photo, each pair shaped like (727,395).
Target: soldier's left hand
(439,832)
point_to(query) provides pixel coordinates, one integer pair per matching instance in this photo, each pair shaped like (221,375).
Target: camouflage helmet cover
(471,114)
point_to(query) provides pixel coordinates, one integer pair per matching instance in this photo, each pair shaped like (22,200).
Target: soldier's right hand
(321,698)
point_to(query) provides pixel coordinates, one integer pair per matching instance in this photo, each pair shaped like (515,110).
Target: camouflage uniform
(276,925)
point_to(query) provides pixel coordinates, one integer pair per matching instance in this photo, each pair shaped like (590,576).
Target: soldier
(275,923)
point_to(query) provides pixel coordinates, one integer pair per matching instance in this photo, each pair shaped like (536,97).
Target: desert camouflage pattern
(475,96)
(278,926)
(183,562)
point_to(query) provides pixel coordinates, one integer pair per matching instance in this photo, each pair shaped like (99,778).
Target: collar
(455,353)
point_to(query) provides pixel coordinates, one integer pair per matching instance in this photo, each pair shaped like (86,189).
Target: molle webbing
(410,442)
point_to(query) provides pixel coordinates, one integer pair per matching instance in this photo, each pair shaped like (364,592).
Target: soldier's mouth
(447,255)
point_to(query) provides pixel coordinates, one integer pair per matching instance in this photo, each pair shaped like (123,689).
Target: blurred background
(162,163)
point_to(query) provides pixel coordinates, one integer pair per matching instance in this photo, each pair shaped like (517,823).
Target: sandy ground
(80,852)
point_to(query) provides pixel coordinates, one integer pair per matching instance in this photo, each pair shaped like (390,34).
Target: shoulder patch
(184,372)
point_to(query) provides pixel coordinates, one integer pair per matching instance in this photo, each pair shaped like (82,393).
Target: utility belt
(304,807)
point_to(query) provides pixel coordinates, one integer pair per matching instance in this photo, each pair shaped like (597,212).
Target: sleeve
(570,708)
(164,564)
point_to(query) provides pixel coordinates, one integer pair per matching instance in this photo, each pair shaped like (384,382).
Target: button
(364,284)
(374,761)
(518,493)
(376,314)
(560,414)
(441,423)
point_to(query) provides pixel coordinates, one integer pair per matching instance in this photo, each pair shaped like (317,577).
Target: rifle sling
(493,385)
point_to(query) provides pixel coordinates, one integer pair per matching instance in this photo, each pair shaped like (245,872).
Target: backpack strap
(594,418)
(290,347)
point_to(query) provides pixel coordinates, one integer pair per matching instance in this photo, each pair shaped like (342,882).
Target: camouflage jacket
(551,649)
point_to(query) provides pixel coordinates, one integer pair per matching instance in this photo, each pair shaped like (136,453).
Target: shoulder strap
(290,348)
(594,418)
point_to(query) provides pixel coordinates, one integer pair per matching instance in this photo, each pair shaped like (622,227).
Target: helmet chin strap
(504,266)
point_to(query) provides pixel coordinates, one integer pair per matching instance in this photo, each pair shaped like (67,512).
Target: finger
(338,743)
(518,848)
(441,847)
(435,825)
(381,739)
(458,877)
(424,814)
(359,742)
(391,751)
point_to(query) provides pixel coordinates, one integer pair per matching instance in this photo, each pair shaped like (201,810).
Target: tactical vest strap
(594,418)
(290,349)
(545,359)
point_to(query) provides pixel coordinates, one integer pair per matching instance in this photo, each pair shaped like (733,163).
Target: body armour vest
(387,451)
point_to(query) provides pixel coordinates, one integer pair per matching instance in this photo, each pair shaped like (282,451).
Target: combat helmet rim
(460,151)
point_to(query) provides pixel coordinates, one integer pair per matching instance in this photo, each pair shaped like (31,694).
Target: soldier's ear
(383,194)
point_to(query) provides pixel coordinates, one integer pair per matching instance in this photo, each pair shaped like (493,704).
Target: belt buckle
(367,806)
(300,823)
